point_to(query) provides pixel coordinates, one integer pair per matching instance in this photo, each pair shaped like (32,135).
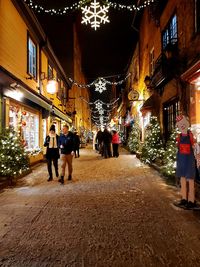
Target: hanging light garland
(99,101)
(129,7)
(79,4)
(100,83)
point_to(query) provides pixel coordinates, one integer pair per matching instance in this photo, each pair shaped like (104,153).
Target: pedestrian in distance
(99,140)
(52,153)
(66,142)
(115,144)
(76,144)
(107,138)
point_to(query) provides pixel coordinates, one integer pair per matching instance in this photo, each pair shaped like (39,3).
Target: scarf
(53,141)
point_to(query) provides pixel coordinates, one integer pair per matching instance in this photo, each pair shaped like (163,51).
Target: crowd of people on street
(67,145)
(107,143)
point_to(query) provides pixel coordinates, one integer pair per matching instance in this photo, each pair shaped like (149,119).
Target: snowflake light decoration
(100,86)
(101,112)
(95,14)
(98,105)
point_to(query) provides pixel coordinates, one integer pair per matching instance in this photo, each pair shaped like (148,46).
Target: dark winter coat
(107,137)
(67,143)
(99,137)
(76,141)
(52,153)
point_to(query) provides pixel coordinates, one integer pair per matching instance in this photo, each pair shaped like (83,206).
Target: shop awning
(148,104)
(7,79)
(61,115)
(192,73)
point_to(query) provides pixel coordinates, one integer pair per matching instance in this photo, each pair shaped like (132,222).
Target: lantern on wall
(52,87)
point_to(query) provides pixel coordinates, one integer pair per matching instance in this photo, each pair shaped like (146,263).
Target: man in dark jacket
(76,144)
(107,138)
(66,142)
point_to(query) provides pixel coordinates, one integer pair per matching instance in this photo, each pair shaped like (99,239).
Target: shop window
(151,61)
(32,58)
(14,117)
(197,16)
(170,112)
(170,34)
(50,72)
(30,130)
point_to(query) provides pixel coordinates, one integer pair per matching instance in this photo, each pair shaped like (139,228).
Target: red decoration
(24,113)
(23,123)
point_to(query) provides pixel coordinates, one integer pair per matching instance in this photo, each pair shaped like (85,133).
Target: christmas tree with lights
(134,138)
(152,149)
(13,158)
(169,158)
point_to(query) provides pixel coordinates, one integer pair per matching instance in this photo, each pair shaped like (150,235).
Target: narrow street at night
(114,212)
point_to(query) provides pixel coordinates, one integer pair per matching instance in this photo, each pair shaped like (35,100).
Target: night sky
(105,52)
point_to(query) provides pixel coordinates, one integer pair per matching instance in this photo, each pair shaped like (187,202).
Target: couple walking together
(64,142)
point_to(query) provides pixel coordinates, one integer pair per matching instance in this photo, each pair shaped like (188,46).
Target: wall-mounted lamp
(52,87)
(147,81)
(52,84)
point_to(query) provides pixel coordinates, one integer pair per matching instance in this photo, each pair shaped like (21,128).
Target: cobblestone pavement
(115,212)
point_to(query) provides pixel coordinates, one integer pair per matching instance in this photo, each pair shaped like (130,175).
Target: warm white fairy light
(79,4)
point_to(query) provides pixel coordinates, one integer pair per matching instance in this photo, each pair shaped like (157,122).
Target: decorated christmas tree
(134,138)
(153,146)
(13,158)
(169,158)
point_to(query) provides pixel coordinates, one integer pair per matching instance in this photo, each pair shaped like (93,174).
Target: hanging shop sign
(133,95)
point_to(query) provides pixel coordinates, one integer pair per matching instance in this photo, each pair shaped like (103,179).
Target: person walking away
(115,144)
(66,142)
(76,144)
(52,154)
(107,138)
(99,139)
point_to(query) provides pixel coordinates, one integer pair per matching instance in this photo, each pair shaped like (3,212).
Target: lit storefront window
(30,130)
(14,117)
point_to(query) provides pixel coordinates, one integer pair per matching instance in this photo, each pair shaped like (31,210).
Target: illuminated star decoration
(95,14)
(100,86)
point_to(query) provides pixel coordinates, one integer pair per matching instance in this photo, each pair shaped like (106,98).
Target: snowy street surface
(115,212)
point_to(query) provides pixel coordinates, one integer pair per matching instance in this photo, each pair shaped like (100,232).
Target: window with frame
(59,93)
(32,58)
(170,111)
(170,34)
(197,16)
(50,72)
(151,61)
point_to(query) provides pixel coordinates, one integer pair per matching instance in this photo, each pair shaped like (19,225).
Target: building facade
(34,89)
(169,52)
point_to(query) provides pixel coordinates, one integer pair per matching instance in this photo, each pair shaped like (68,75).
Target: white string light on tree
(95,14)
